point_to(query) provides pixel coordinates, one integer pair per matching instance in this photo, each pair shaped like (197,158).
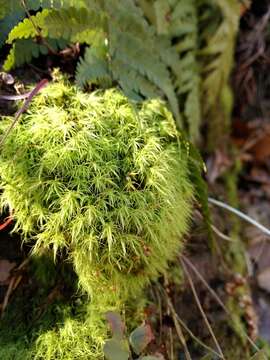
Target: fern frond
(53,23)
(183,52)
(128,28)
(143,58)
(217,59)
(10,6)
(8,22)
(82,23)
(122,25)
(24,50)
(133,84)
(177,20)
(93,68)
(25,29)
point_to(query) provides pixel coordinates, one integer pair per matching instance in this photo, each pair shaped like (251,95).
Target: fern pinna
(179,49)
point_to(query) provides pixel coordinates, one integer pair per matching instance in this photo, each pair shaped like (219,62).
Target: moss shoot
(104,181)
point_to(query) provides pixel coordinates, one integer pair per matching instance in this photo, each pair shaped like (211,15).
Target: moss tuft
(104,181)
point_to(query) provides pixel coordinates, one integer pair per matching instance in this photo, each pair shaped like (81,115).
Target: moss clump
(65,330)
(102,180)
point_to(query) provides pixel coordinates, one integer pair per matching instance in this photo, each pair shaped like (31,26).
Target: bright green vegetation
(181,50)
(103,182)
(40,325)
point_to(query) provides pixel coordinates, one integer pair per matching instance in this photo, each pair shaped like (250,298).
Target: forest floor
(220,301)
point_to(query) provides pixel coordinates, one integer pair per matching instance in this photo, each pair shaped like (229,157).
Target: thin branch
(7,295)
(201,310)
(37,88)
(240,214)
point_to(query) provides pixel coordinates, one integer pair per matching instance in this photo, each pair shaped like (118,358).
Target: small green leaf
(140,338)
(116,324)
(116,350)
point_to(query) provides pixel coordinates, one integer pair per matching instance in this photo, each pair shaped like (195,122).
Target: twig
(201,310)
(37,88)
(7,295)
(13,284)
(240,214)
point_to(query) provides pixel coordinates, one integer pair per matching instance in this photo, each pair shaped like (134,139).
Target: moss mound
(104,181)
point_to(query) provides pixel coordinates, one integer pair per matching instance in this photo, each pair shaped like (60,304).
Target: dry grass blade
(185,260)
(220,234)
(240,214)
(183,325)
(201,309)
(178,328)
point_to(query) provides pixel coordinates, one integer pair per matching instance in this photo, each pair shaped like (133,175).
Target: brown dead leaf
(217,165)
(244,6)
(261,149)
(259,175)
(5,270)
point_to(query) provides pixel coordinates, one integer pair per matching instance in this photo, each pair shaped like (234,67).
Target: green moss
(65,331)
(104,182)
(101,177)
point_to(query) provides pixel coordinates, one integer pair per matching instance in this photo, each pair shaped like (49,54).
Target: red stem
(6,223)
